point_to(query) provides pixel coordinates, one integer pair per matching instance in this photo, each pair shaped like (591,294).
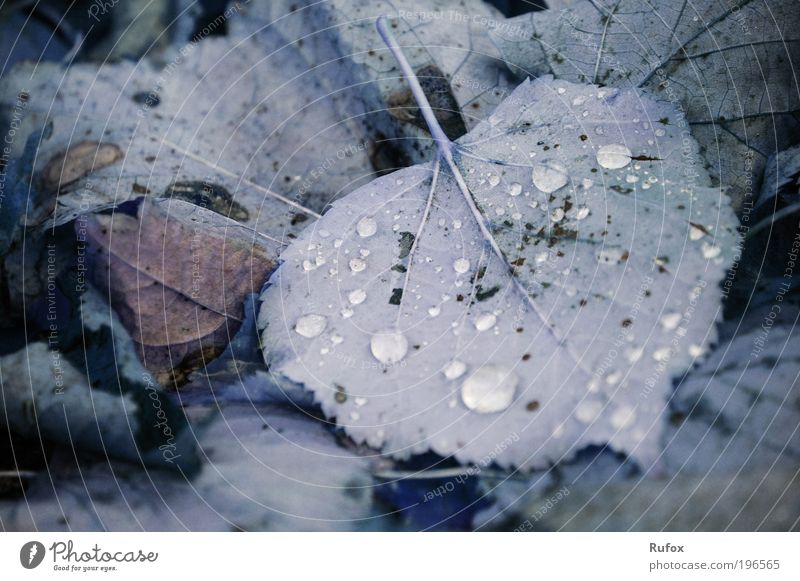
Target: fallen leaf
(444,346)
(272,141)
(738,412)
(725,66)
(685,502)
(266,469)
(85,387)
(177,275)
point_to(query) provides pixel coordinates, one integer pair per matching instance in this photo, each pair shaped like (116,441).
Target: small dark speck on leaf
(397,296)
(482,295)
(406,242)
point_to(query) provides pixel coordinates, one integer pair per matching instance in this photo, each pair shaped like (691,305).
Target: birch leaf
(178,276)
(726,65)
(540,279)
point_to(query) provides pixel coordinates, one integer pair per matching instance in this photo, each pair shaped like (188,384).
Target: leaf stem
(443,143)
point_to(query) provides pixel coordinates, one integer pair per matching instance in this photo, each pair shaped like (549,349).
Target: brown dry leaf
(177,276)
(77,162)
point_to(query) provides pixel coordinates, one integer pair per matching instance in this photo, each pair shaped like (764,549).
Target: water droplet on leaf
(366,227)
(485,321)
(357,296)
(461,265)
(310,326)
(614,156)
(389,347)
(489,390)
(711,251)
(671,321)
(550,176)
(357,265)
(454,369)
(622,417)
(588,410)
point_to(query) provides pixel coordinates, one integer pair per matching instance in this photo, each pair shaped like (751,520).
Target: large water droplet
(515,189)
(485,321)
(461,265)
(389,347)
(357,296)
(310,326)
(454,369)
(614,156)
(366,227)
(494,179)
(490,389)
(550,176)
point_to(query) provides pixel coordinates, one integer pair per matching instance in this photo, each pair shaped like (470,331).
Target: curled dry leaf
(177,275)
